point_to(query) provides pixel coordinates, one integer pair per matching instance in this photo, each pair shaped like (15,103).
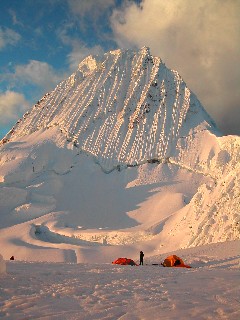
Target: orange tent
(124,261)
(174,261)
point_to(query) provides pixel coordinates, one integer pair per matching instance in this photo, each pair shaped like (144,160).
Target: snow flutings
(120,157)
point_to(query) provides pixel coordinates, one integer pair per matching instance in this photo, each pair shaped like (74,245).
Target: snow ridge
(125,107)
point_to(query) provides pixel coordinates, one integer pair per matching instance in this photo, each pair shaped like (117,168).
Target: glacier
(120,156)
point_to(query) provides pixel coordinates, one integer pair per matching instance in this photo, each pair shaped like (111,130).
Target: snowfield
(58,205)
(210,290)
(120,157)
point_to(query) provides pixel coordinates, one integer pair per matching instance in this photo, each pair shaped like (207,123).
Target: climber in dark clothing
(141,257)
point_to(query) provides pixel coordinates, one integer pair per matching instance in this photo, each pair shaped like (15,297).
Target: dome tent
(125,261)
(174,261)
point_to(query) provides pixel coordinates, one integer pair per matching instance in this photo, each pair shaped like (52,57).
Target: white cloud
(38,73)
(200,39)
(8,37)
(12,104)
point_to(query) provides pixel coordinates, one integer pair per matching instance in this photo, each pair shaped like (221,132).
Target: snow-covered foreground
(210,290)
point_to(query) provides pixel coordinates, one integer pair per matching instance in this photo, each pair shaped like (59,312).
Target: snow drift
(121,156)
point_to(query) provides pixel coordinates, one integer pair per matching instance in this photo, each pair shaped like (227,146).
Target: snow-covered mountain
(121,156)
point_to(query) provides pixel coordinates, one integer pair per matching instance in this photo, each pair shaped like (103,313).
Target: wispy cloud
(39,73)
(12,104)
(37,77)
(88,17)
(79,49)
(15,20)
(8,37)
(200,39)
(92,8)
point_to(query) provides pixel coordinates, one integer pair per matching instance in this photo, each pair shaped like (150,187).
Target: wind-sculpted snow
(120,157)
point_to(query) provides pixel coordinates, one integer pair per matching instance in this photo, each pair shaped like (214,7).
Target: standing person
(141,257)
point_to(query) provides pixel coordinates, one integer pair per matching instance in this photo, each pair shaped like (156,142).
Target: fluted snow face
(125,107)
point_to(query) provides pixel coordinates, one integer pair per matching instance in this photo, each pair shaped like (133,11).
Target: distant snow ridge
(124,108)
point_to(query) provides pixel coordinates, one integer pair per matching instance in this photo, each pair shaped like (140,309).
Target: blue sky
(43,41)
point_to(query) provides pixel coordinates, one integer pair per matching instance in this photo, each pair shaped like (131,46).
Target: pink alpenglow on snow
(119,157)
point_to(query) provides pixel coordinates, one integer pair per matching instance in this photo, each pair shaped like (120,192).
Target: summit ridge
(124,107)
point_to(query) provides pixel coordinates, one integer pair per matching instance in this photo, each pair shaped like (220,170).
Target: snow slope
(120,157)
(210,290)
